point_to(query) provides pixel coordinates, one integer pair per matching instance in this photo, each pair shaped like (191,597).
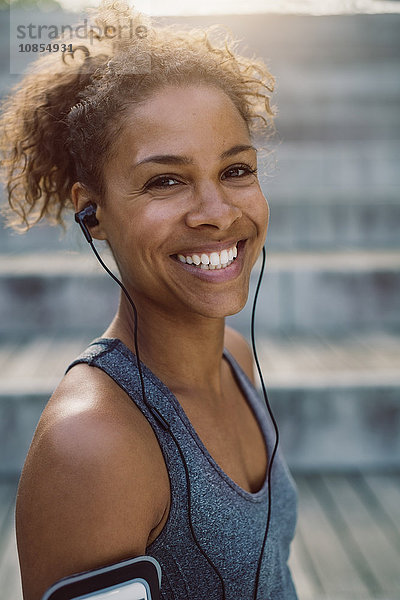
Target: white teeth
(224,257)
(214,260)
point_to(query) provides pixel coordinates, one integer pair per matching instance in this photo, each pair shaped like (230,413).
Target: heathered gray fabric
(228,521)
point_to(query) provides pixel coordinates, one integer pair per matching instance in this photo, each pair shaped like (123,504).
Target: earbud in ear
(87,218)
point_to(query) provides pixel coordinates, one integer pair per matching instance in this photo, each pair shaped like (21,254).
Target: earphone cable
(275,448)
(123,288)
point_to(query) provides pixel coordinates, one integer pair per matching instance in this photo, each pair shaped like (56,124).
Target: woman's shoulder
(237,345)
(92,486)
(91,416)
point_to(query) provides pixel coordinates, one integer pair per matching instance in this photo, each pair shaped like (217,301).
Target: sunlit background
(212,7)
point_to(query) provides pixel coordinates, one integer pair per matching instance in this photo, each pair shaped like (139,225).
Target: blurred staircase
(328,319)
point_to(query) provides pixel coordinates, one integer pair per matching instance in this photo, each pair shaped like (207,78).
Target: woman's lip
(216,275)
(217,247)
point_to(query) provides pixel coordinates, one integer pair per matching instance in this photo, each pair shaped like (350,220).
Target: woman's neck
(185,353)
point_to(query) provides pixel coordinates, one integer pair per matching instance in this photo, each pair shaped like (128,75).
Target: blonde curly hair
(59,123)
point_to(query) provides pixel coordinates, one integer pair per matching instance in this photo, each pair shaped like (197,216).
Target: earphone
(87,218)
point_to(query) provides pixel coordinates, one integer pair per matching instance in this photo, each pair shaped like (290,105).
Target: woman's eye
(239,171)
(163,182)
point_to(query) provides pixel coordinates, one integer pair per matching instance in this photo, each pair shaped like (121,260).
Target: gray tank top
(228,521)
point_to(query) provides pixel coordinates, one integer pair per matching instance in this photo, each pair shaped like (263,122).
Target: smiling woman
(198,196)
(165,454)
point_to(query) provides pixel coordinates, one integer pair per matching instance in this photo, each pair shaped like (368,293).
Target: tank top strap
(114,358)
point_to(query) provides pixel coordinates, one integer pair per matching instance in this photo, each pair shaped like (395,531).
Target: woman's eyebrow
(237,150)
(178,159)
(175,159)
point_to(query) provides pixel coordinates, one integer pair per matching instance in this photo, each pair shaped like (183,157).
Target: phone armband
(132,579)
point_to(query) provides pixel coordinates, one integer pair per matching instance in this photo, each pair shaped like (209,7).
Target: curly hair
(59,123)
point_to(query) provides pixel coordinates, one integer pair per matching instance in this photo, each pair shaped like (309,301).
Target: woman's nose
(214,207)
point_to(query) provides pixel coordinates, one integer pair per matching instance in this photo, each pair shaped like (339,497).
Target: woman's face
(181,189)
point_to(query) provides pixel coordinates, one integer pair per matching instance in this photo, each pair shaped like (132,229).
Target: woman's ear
(81,198)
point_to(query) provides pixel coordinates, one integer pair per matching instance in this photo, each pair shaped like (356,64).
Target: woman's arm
(94,484)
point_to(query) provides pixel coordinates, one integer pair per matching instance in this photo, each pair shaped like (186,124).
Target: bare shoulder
(94,484)
(240,350)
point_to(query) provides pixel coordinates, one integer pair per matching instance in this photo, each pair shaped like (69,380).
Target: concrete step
(337,400)
(333,196)
(326,293)
(55,293)
(302,292)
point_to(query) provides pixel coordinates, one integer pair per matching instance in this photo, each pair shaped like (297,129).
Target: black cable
(271,459)
(123,288)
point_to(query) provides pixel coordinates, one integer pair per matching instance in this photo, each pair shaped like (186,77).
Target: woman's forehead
(184,118)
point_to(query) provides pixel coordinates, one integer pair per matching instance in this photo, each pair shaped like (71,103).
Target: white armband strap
(133,579)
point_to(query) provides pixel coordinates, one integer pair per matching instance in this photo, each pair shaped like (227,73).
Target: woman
(165,158)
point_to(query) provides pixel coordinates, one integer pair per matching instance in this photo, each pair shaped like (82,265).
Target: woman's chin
(222,310)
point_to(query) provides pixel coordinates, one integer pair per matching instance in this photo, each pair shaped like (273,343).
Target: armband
(133,579)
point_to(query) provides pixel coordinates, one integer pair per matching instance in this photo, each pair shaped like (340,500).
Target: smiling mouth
(210,261)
